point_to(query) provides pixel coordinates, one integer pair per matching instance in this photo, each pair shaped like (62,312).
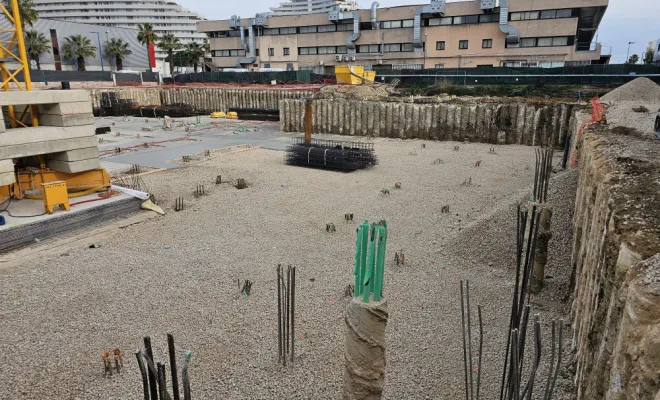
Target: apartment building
(165,17)
(548,33)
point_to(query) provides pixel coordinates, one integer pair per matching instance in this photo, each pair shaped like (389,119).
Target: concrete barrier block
(75,155)
(44,134)
(74,166)
(47,147)
(7,178)
(66,120)
(75,107)
(13,98)
(6,166)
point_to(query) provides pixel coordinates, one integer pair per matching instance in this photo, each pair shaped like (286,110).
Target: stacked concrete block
(6,172)
(65,135)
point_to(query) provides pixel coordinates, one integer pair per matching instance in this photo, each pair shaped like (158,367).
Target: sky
(625,20)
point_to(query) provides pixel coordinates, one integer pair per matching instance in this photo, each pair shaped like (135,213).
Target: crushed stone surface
(621,114)
(178,273)
(354,92)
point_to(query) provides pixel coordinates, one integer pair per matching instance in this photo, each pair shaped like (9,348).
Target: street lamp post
(628,53)
(98,37)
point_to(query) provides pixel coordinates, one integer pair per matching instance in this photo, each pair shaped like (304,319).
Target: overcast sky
(625,20)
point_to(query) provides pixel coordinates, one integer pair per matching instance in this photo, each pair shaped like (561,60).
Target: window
(271,31)
(386,24)
(303,51)
(528,42)
(396,24)
(407,23)
(523,16)
(548,14)
(266,65)
(327,50)
(327,28)
(463,45)
(289,31)
(434,21)
(560,41)
(364,48)
(471,19)
(341,50)
(286,51)
(440,45)
(487,44)
(344,27)
(445,21)
(565,13)
(308,29)
(313,50)
(458,20)
(271,52)
(439,65)
(488,18)
(407,47)
(392,48)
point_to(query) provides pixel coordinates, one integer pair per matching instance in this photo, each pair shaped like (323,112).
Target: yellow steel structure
(55,194)
(8,54)
(12,50)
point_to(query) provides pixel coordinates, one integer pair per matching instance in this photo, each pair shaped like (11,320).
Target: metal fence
(264,78)
(578,75)
(47,76)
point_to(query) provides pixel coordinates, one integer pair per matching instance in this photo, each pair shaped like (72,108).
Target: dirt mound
(642,90)
(354,92)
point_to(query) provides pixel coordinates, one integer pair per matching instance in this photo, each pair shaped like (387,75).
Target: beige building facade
(549,33)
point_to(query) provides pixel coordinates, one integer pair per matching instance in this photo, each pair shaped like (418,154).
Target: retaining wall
(206,100)
(615,307)
(526,123)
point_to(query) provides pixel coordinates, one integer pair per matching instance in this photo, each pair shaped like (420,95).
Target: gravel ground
(178,274)
(641,92)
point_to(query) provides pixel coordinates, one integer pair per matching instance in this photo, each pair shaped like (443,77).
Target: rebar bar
(481,346)
(465,360)
(559,351)
(286,314)
(173,370)
(552,362)
(161,380)
(469,329)
(143,373)
(153,387)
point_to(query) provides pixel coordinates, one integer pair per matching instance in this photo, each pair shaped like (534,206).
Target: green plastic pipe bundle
(370,247)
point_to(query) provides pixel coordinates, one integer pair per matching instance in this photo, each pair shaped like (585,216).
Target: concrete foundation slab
(74,166)
(51,146)
(66,120)
(72,107)
(7,178)
(38,134)
(13,98)
(75,155)
(6,166)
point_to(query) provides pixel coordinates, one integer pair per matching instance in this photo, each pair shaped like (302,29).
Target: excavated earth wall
(484,120)
(615,307)
(204,100)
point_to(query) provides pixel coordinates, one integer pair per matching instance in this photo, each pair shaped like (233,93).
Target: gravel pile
(178,273)
(354,92)
(642,90)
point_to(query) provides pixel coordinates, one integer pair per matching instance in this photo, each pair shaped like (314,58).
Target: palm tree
(195,51)
(26,11)
(146,34)
(78,47)
(36,44)
(118,48)
(169,43)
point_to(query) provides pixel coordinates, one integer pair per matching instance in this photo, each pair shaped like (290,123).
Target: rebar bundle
(331,154)
(154,378)
(542,174)
(286,307)
(470,385)
(370,248)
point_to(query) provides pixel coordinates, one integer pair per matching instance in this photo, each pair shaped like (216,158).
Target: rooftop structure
(298,7)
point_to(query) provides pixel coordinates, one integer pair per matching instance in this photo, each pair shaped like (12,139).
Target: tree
(118,48)
(147,36)
(36,44)
(169,43)
(648,55)
(26,11)
(195,51)
(78,47)
(634,59)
